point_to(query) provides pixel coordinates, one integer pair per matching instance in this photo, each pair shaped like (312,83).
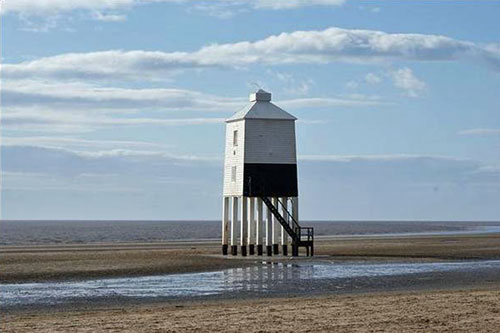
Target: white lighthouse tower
(260,181)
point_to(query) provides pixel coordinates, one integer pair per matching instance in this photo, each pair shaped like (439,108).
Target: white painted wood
(251,221)
(276,224)
(244,221)
(234,221)
(270,141)
(225,220)
(265,134)
(284,234)
(260,218)
(234,156)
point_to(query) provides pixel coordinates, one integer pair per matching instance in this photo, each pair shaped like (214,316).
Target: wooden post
(276,226)
(225,224)
(244,226)
(259,227)
(295,215)
(234,221)
(269,228)
(284,234)
(251,226)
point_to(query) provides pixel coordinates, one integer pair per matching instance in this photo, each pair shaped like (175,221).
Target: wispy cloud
(480,132)
(354,186)
(405,79)
(58,122)
(75,95)
(384,158)
(326,46)
(372,78)
(44,7)
(331,102)
(287,4)
(293,85)
(82,107)
(78,144)
(108,17)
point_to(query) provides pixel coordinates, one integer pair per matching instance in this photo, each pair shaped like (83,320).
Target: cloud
(41,7)
(106,17)
(299,47)
(352,85)
(293,85)
(287,4)
(405,79)
(81,107)
(329,102)
(65,162)
(480,132)
(372,78)
(398,187)
(60,122)
(157,184)
(57,95)
(78,144)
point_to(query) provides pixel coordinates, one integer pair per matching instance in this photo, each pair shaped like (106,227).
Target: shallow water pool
(262,279)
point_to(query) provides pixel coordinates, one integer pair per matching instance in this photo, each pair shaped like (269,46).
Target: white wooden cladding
(256,141)
(270,141)
(234,158)
(253,222)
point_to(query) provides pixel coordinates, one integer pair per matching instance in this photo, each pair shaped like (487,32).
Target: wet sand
(63,262)
(454,302)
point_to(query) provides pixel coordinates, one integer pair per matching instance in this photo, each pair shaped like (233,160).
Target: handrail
(294,230)
(294,233)
(296,224)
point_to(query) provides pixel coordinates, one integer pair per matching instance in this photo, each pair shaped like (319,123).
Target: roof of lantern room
(261,108)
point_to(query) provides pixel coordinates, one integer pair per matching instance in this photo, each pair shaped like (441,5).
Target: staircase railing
(274,210)
(295,231)
(296,225)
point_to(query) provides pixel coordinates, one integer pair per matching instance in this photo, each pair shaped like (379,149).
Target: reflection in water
(264,278)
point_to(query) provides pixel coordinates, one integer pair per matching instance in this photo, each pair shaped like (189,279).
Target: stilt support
(259,250)
(251,249)
(284,250)
(224,249)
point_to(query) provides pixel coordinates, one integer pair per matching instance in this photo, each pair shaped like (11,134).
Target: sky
(114,109)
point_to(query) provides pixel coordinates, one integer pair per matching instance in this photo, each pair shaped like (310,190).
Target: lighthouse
(260,193)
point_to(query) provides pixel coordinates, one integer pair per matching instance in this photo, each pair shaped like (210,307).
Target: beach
(435,282)
(438,311)
(34,263)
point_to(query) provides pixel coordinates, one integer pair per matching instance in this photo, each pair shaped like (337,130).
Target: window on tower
(233,174)
(235,138)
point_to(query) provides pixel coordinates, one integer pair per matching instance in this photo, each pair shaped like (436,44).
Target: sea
(42,232)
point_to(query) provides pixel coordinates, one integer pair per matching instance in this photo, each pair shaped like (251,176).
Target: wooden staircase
(301,236)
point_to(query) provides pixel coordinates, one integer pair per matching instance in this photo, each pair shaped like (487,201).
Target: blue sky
(115,109)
